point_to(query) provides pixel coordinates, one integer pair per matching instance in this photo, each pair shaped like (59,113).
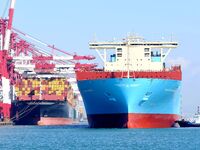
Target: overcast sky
(71,24)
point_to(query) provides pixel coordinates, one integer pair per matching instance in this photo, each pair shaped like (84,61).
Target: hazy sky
(71,24)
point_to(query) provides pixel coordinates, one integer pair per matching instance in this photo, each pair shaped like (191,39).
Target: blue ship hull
(116,102)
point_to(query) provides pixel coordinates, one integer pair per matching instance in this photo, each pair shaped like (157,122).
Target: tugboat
(194,123)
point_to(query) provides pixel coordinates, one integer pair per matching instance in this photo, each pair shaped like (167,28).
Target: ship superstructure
(135,89)
(134,54)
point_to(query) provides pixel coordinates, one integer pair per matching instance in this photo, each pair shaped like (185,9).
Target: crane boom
(9,27)
(75,57)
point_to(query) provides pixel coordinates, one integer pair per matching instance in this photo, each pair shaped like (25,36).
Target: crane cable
(25,112)
(5,8)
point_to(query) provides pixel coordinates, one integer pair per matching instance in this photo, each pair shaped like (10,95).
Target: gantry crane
(21,53)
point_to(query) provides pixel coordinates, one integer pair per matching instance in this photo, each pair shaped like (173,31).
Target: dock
(6,123)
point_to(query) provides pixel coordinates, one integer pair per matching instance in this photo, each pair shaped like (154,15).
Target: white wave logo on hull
(145,98)
(110,97)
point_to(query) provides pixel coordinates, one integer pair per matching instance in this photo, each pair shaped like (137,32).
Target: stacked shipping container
(44,101)
(44,89)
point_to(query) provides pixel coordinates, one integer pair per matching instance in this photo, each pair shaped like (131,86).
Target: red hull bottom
(151,120)
(44,121)
(132,120)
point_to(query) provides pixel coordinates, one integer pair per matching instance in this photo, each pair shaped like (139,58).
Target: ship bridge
(133,54)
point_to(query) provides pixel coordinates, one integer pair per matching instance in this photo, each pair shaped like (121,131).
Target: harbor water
(82,137)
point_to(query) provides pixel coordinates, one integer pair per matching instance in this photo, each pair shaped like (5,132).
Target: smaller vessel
(194,123)
(43,100)
(185,123)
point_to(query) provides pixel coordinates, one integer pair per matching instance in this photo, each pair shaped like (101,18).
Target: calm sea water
(82,137)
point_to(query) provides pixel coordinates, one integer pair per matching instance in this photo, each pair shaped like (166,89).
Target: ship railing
(170,69)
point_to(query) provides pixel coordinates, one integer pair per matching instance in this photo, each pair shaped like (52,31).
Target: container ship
(43,100)
(135,88)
